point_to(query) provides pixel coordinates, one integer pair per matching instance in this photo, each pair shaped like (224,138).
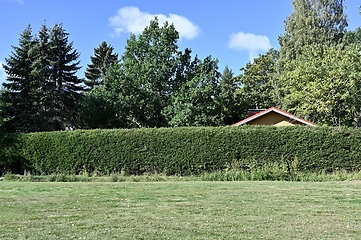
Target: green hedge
(10,160)
(190,151)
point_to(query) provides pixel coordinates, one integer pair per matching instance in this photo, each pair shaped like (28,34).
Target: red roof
(277,110)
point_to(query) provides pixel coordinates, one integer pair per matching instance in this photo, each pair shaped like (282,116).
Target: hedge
(10,160)
(189,151)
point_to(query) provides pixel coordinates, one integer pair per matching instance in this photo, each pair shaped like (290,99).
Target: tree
(119,99)
(66,86)
(231,107)
(156,85)
(1,107)
(258,83)
(20,102)
(353,37)
(197,103)
(145,78)
(96,72)
(324,85)
(42,88)
(95,110)
(311,82)
(313,22)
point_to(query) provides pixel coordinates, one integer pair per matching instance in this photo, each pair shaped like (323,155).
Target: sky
(232,31)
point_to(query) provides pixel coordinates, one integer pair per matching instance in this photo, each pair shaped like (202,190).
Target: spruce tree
(231,108)
(20,101)
(65,86)
(41,89)
(96,72)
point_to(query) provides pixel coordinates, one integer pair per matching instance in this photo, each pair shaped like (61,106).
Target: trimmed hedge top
(189,151)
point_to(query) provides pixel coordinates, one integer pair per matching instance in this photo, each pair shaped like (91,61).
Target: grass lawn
(180,210)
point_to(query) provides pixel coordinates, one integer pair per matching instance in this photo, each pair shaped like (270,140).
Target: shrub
(193,151)
(10,160)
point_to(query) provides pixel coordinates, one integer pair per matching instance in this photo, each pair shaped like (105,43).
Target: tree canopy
(258,81)
(315,74)
(157,85)
(325,85)
(318,70)
(313,22)
(42,88)
(96,71)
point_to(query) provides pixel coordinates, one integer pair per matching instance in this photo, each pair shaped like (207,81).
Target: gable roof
(276,110)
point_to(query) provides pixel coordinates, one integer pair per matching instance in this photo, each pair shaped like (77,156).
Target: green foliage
(197,103)
(10,159)
(64,93)
(258,84)
(323,85)
(147,74)
(41,89)
(353,37)
(18,98)
(193,151)
(319,23)
(319,65)
(230,105)
(156,85)
(121,98)
(96,110)
(96,71)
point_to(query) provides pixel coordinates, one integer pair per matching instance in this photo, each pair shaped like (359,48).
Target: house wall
(272,118)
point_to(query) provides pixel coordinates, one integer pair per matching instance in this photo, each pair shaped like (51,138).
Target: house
(272,116)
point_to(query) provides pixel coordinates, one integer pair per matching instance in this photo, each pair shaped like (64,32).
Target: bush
(10,160)
(192,151)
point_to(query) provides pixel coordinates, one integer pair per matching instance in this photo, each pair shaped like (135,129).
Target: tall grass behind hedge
(191,151)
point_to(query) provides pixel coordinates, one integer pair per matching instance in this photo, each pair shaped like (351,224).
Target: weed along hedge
(190,151)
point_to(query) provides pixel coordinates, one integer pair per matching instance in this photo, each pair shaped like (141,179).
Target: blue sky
(233,31)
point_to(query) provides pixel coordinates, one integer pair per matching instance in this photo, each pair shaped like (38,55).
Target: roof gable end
(276,110)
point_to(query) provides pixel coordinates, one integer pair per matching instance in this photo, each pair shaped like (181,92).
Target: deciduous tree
(197,103)
(324,85)
(157,85)
(314,22)
(147,74)
(258,82)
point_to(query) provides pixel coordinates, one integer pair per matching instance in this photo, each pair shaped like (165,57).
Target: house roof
(276,110)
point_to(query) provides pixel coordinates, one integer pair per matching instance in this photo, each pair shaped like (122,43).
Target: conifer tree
(20,102)
(65,85)
(96,71)
(41,89)
(230,105)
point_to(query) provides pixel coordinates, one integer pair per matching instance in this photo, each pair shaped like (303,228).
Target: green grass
(180,210)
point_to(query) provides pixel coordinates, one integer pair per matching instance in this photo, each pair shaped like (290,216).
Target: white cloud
(249,42)
(132,20)
(2,74)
